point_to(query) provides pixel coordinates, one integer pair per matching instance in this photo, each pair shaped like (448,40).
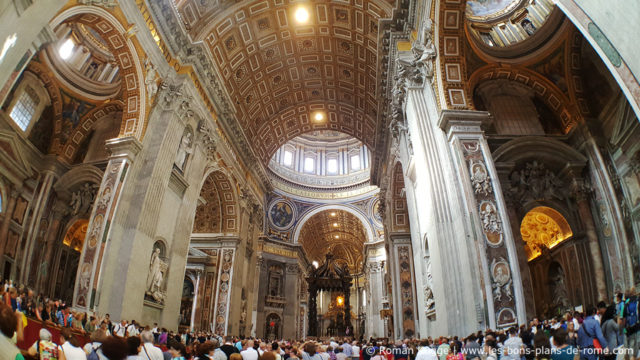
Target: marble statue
(150,79)
(155,277)
(184,150)
(82,199)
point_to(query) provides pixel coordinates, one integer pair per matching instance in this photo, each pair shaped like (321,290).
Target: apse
(337,232)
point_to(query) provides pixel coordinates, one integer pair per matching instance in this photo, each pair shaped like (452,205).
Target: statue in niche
(559,290)
(184,150)
(151,79)
(429,299)
(528,27)
(155,278)
(82,199)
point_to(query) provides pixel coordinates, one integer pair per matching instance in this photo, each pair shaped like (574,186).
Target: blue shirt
(590,330)
(566,353)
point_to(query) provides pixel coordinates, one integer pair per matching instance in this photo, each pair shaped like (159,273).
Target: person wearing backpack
(44,349)
(590,338)
(93,349)
(632,324)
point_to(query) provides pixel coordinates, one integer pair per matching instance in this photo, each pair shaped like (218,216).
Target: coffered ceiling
(279,72)
(337,232)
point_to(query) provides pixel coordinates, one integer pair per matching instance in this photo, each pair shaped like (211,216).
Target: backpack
(94,354)
(631,316)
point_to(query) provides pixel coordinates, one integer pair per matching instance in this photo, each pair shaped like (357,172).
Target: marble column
(6,221)
(42,199)
(60,210)
(582,202)
(291,307)
(223,296)
(123,152)
(494,238)
(375,273)
(196,293)
(402,277)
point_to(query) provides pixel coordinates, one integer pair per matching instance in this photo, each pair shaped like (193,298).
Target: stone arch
(122,48)
(543,88)
(85,125)
(542,148)
(361,216)
(219,213)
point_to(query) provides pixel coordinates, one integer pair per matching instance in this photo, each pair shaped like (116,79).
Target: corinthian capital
(208,139)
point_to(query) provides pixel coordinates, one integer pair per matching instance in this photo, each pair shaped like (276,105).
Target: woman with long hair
(611,331)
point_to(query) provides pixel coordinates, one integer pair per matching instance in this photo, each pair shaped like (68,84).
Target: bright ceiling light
(315,264)
(66,49)
(337,237)
(318,116)
(301,15)
(333,214)
(335,224)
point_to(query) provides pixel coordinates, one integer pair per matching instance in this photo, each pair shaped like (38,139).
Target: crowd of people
(604,332)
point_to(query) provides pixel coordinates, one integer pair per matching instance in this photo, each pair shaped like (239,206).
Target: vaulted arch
(281,71)
(217,209)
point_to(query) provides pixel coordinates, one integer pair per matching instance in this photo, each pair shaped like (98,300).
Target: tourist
(204,351)
(632,323)
(249,353)
(355,350)
(340,355)
(611,332)
(93,349)
(70,348)
(490,347)
(217,353)
(177,350)
(134,346)
(588,332)
(513,347)
(9,320)
(44,348)
(148,350)
(541,346)
(228,348)
(120,329)
(268,355)
(293,353)
(346,348)
(132,329)
(309,352)
(275,348)
(454,352)
(563,351)
(115,348)
(443,349)
(426,352)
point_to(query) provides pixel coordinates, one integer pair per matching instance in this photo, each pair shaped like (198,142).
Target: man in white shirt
(132,330)
(346,348)
(149,351)
(426,352)
(249,353)
(120,329)
(513,347)
(355,350)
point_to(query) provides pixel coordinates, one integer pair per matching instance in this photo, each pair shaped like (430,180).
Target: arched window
(29,100)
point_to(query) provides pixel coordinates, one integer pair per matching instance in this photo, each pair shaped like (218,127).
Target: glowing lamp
(301,15)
